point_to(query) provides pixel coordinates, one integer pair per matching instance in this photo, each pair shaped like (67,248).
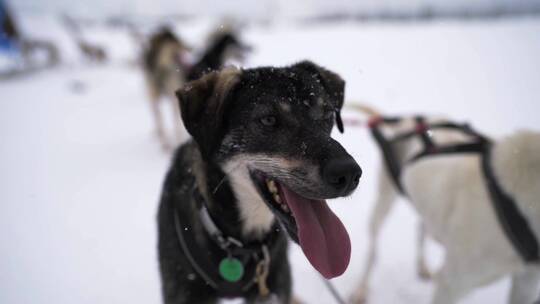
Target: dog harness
(514,224)
(237,267)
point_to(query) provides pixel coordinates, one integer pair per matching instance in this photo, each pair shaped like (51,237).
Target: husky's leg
(421,265)
(386,197)
(525,287)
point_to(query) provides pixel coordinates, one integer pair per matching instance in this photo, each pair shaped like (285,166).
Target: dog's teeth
(285,208)
(271,186)
(277,198)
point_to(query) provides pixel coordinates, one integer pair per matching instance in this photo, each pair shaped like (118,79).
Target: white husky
(450,195)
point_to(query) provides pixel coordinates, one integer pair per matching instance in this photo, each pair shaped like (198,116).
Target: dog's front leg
(158,120)
(421,265)
(280,296)
(279,284)
(386,196)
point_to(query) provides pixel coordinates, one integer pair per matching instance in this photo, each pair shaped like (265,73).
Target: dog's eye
(269,120)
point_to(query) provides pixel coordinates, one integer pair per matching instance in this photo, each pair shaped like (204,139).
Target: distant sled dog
(167,68)
(464,199)
(164,68)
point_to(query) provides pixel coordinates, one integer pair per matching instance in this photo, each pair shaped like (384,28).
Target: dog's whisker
(219,184)
(225,177)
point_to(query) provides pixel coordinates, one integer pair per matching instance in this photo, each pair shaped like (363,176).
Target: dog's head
(270,128)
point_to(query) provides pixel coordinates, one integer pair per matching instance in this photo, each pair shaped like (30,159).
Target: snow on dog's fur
(450,195)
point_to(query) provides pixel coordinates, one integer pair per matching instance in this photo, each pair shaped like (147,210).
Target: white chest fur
(255,215)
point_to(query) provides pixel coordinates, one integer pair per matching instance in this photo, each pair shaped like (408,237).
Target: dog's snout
(342,174)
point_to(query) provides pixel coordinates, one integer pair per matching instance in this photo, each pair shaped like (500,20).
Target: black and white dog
(261,162)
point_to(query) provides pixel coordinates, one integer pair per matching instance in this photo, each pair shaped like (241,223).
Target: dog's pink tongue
(321,234)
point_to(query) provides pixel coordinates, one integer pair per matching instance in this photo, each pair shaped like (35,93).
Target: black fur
(180,282)
(212,59)
(223,111)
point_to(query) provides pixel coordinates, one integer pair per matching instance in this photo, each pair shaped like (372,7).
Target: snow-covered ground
(81,170)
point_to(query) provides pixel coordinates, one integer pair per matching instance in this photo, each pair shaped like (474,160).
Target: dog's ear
(203,103)
(332,83)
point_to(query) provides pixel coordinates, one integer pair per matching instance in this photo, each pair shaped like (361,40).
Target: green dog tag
(231,269)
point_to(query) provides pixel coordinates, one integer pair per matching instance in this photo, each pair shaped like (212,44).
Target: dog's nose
(343,174)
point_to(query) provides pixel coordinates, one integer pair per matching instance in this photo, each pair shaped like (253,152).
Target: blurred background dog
(448,188)
(165,67)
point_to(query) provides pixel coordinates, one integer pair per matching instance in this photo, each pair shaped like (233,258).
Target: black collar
(225,242)
(252,255)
